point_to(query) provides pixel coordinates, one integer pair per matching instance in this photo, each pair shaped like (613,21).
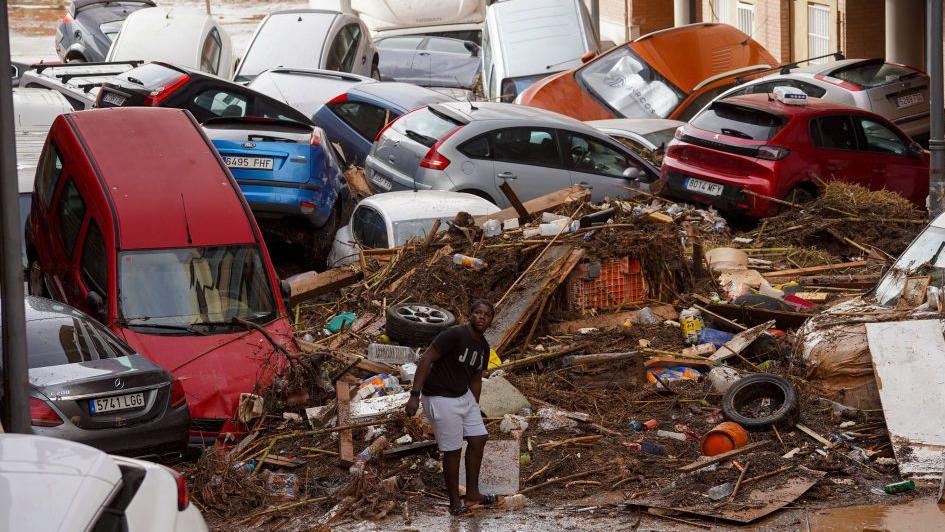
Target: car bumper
(164,438)
(733,198)
(267,201)
(384,178)
(916,126)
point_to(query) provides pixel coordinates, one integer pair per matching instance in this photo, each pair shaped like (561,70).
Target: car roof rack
(40,67)
(786,68)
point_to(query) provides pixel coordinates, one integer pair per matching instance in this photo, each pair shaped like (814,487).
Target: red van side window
(51,169)
(94,261)
(71,213)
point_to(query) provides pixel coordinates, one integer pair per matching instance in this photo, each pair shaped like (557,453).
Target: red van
(137,221)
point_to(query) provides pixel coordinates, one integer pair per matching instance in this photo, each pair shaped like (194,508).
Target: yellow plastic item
(494,360)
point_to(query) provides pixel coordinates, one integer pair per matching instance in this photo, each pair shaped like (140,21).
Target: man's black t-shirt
(462,354)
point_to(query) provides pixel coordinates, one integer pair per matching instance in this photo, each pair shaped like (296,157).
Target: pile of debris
(638,364)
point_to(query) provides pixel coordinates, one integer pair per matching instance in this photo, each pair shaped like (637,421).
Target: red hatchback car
(781,145)
(137,221)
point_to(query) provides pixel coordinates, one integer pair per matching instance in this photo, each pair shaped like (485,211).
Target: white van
(181,36)
(524,41)
(458,19)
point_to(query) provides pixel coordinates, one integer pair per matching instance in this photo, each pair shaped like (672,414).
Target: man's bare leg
(474,450)
(451,476)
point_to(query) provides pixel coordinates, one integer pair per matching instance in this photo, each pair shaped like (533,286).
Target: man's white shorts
(453,419)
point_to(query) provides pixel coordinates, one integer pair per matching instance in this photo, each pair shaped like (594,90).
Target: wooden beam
(309,285)
(548,202)
(817,269)
(523,215)
(668,362)
(345,437)
(597,358)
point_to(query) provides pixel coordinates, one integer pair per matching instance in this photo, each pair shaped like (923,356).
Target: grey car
(652,134)
(309,39)
(87,385)
(429,61)
(86,32)
(476,147)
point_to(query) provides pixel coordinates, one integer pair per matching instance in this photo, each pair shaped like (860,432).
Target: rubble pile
(644,359)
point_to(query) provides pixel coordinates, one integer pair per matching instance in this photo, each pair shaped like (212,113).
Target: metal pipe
(936,201)
(595,16)
(15,371)
(681,12)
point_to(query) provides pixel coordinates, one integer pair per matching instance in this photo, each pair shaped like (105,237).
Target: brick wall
(651,15)
(862,28)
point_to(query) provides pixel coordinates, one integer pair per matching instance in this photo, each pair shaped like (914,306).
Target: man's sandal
(459,510)
(489,500)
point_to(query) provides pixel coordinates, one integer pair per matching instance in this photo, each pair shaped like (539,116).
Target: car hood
(215,369)
(52,484)
(89,377)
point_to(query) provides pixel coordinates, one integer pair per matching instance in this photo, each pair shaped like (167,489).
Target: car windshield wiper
(420,137)
(736,133)
(185,328)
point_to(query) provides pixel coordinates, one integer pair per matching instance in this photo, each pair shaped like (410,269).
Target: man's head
(481,313)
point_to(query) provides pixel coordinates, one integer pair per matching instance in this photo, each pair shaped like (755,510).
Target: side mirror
(633,173)
(96,305)
(285,290)
(588,56)
(472,47)
(915,149)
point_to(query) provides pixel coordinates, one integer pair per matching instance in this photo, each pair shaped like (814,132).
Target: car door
(601,166)
(837,151)
(397,58)
(344,54)
(90,267)
(529,160)
(449,63)
(891,164)
(42,220)
(68,217)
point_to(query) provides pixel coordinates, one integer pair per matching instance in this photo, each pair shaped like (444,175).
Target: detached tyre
(761,400)
(416,324)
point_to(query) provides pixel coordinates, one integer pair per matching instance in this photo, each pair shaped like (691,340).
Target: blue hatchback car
(356,117)
(290,176)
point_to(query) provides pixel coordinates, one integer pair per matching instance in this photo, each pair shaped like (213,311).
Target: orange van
(670,73)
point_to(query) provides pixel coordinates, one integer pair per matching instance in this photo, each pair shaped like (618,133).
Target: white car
(390,219)
(896,92)
(524,41)
(651,134)
(185,37)
(53,484)
(309,39)
(457,19)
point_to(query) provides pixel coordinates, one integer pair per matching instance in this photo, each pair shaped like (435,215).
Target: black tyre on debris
(416,324)
(761,400)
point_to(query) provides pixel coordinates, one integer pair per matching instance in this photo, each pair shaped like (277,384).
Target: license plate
(909,100)
(114,99)
(253,163)
(703,187)
(381,181)
(116,402)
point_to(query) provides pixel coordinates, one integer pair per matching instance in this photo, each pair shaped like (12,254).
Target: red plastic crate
(620,282)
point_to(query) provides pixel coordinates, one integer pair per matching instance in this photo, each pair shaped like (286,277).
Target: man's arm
(475,384)
(430,356)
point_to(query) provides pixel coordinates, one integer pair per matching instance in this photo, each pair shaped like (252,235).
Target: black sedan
(87,385)
(86,32)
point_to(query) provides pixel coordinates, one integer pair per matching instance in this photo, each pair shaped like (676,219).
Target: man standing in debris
(450,377)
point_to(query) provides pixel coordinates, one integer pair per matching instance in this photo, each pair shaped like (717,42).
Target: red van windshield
(178,289)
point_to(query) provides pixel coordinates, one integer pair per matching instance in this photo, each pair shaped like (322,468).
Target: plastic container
(492,228)
(723,438)
(691,323)
(714,337)
(469,262)
(407,372)
(721,378)
(651,424)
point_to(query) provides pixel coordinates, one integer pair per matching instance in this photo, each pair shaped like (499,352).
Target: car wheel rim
(422,314)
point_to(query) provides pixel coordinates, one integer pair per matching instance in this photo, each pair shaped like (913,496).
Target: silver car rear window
(425,126)
(874,74)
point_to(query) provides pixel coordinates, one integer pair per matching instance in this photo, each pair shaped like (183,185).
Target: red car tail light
(341,98)
(161,93)
(772,153)
(67,18)
(849,85)
(183,494)
(317,138)
(42,415)
(307,207)
(177,394)
(435,160)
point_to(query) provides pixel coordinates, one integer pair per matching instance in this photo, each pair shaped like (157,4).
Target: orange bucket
(723,438)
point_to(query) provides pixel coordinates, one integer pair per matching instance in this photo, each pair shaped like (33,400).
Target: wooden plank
(357,182)
(611,320)
(597,358)
(345,437)
(740,341)
(510,194)
(864,281)
(667,361)
(753,316)
(909,361)
(813,434)
(817,269)
(546,275)
(308,285)
(409,447)
(536,206)
(709,460)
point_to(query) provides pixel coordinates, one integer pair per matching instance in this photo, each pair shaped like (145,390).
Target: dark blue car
(354,118)
(290,176)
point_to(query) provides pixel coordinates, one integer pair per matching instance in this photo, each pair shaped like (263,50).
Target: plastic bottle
(669,434)
(365,456)
(515,502)
(469,262)
(492,228)
(899,487)
(692,324)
